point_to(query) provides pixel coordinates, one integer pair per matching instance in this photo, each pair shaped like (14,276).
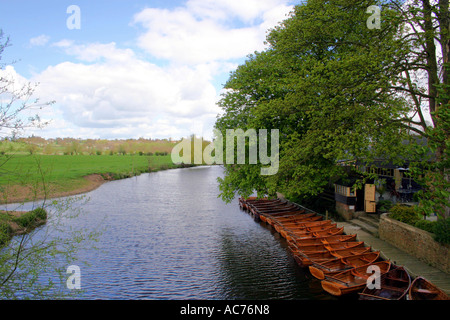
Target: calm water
(168,236)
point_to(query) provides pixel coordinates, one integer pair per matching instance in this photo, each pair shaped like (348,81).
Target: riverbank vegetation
(15,223)
(72,146)
(339,89)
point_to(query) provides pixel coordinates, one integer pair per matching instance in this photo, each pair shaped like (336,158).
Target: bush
(40,213)
(28,219)
(442,230)
(404,214)
(5,232)
(384,205)
(161,153)
(426,225)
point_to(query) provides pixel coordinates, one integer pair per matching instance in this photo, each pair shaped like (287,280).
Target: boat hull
(331,267)
(394,285)
(352,280)
(422,289)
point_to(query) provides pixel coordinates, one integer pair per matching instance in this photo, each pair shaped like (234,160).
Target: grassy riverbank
(30,177)
(15,222)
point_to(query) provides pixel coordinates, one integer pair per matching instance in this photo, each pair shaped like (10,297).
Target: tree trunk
(431,63)
(435,101)
(444,24)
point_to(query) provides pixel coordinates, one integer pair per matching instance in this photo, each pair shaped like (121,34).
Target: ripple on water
(168,236)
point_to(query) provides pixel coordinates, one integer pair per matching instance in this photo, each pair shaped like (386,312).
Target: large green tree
(324,82)
(336,89)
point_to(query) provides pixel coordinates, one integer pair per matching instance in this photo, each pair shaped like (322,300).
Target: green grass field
(55,174)
(24,168)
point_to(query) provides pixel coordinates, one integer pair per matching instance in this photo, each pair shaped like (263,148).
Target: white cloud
(180,38)
(41,40)
(96,51)
(63,43)
(206,31)
(247,11)
(124,94)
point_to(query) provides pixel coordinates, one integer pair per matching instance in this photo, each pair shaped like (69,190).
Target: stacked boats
(342,263)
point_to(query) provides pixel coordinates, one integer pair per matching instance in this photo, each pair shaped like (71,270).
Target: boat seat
(396,279)
(393,288)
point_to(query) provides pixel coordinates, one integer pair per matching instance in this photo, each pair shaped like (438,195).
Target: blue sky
(135,68)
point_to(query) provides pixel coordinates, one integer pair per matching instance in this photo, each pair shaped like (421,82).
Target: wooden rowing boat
(287,216)
(319,248)
(352,280)
(323,240)
(306,231)
(268,212)
(292,216)
(249,199)
(283,229)
(394,285)
(267,202)
(244,203)
(283,215)
(315,234)
(321,269)
(261,206)
(422,289)
(313,228)
(300,224)
(307,260)
(269,207)
(261,200)
(275,209)
(306,222)
(297,219)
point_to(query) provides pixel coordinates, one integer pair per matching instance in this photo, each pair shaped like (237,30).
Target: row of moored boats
(342,263)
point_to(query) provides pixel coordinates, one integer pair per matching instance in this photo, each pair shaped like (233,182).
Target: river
(167,236)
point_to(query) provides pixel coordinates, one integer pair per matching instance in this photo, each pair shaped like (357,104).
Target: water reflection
(168,236)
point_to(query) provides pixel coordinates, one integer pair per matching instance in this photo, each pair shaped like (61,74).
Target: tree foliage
(338,90)
(324,83)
